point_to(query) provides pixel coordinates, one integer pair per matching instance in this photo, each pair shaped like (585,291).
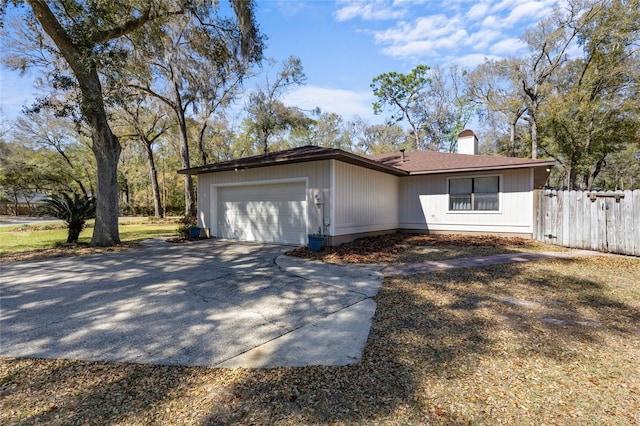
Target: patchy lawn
(32,242)
(545,342)
(398,249)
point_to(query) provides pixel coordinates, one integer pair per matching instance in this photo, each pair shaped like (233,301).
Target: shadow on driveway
(197,304)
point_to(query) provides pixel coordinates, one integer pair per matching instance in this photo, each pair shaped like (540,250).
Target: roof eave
(549,163)
(344,156)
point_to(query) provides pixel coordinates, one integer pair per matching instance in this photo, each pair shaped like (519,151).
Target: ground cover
(30,242)
(544,342)
(399,249)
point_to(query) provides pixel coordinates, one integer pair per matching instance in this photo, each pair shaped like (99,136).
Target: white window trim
(500,198)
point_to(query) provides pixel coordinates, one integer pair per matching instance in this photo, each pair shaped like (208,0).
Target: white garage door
(271,213)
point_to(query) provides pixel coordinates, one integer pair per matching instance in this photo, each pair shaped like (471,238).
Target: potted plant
(189,228)
(316,240)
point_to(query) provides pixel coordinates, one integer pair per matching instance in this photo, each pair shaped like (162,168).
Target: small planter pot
(315,242)
(194,232)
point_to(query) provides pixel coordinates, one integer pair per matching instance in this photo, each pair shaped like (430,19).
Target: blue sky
(344,44)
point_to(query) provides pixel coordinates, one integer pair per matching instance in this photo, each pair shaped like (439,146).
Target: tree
(493,84)
(73,209)
(191,63)
(402,92)
(19,173)
(267,114)
(147,125)
(89,38)
(58,135)
(376,139)
(445,108)
(592,110)
(549,42)
(328,130)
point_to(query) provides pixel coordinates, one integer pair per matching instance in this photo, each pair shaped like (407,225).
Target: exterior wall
(366,202)
(424,205)
(316,174)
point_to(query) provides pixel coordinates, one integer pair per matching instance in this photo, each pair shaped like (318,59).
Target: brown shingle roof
(294,155)
(425,162)
(415,162)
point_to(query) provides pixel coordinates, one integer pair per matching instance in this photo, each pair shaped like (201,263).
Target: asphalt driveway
(207,303)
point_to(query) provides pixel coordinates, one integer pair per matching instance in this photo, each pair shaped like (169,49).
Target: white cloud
(477,11)
(482,39)
(346,103)
(527,12)
(470,61)
(422,29)
(424,37)
(507,47)
(370,11)
(457,28)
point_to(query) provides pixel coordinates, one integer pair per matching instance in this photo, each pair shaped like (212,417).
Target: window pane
(487,184)
(460,202)
(485,201)
(461,186)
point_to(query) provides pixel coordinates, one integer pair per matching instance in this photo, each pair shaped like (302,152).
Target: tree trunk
(73,232)
(106,148)
(512,138)
(591,177)
(153,174)
(189,205)
(203,154)
(534,137)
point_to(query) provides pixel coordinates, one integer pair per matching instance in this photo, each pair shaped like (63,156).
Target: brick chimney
(467,143)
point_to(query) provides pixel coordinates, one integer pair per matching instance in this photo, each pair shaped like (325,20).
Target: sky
(344,44)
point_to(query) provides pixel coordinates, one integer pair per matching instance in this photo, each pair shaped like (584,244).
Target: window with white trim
(474,193)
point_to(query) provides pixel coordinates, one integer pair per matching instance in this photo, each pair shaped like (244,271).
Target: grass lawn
(544,342)
(53,236)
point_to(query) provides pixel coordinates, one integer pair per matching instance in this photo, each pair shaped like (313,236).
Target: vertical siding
(316,172)
(425,204)
(365,200)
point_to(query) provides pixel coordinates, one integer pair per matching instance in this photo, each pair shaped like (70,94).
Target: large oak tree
(86,44)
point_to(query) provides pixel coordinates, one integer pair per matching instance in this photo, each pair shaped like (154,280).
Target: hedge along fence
(603,221)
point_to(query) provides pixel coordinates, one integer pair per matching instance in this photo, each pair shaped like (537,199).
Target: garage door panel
(267,212)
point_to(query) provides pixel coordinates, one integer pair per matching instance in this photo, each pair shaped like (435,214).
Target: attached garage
(269,212)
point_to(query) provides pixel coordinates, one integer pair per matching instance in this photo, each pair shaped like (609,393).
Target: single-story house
(280,197)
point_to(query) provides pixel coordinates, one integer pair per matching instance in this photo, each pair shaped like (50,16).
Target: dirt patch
(66,250)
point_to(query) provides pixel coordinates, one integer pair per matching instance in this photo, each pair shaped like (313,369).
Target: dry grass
(546,342)
(65,250)
(398,249)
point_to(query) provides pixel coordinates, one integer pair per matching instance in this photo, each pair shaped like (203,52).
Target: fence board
(579,220)
(572,219)
(636,222)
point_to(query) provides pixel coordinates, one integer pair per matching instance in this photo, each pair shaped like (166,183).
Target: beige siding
(425,204)
(365,200)
(316,174)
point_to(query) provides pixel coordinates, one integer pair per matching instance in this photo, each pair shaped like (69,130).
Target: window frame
(473,211)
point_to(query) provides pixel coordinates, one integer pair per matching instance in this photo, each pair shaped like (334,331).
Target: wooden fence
(603,221)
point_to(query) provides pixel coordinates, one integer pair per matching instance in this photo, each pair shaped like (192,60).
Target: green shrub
(73,209)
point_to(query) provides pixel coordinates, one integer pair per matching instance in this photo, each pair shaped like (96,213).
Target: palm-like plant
(73,209)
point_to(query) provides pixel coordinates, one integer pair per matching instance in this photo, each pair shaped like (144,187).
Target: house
(281,197)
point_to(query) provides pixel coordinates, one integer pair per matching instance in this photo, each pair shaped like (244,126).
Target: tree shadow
(438,326)
(429,327)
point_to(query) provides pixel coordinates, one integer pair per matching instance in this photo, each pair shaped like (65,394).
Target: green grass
(34,237)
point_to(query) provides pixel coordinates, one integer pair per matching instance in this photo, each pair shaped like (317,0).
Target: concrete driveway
(206,303)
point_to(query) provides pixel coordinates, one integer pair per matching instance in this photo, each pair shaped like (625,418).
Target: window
(479,193)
